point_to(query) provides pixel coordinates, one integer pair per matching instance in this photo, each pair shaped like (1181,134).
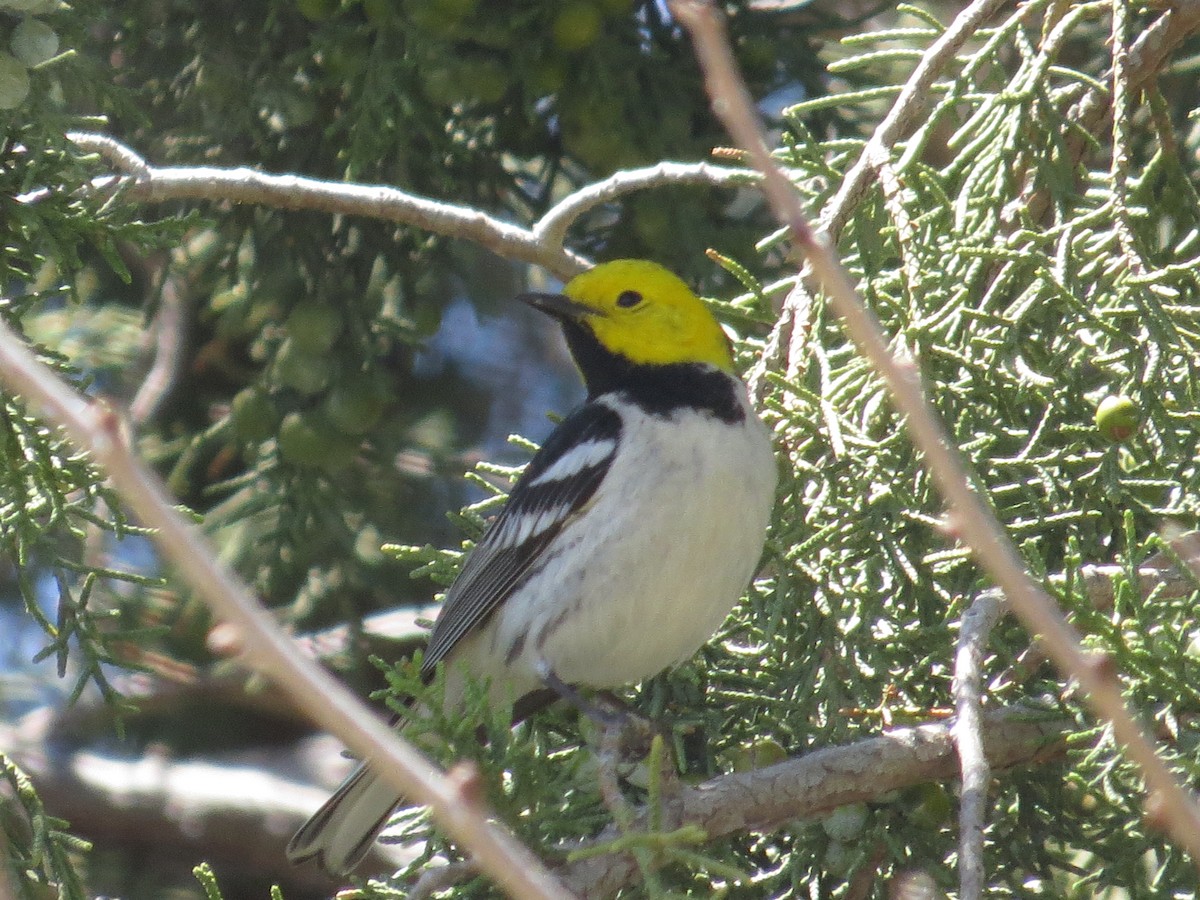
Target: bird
(624,544)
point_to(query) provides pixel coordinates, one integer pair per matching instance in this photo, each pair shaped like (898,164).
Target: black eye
(628,299)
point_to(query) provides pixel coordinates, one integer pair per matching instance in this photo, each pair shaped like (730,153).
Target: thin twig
(170,330)
(1119,169)
(96,430)
(124,158)
(977,624)
(552,227)
(973,520)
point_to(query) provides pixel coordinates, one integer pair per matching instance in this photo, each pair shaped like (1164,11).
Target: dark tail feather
(343,830)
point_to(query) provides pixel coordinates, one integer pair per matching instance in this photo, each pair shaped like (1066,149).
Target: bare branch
(170,328)
(542,245)
(972,519)
(152,184)
(268,650)
(552,227)
(122,157)
(977,624)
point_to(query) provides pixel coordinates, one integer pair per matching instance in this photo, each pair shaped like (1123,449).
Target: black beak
(559,306)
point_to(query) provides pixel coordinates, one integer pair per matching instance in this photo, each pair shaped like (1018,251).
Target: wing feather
(558,482)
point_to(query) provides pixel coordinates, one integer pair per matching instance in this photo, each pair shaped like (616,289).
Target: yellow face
(642,311)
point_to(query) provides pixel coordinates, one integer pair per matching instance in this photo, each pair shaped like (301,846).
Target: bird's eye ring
(628,299)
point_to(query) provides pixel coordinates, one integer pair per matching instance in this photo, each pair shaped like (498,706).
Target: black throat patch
(659,390)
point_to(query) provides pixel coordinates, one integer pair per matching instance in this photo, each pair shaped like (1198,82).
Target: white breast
(646,574)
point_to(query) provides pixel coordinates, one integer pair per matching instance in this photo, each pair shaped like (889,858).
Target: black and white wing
(558,482)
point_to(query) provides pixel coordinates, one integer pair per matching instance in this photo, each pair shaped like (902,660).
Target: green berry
(846,822)
(14,81)
(760,754)
(355,404)
(255,417)
(576,27)
(933,809)
(33,42)
(1117,418)
(308,441)
(304,372)
(314,326)
(300,441)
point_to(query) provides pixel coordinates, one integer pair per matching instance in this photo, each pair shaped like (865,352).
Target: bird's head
(639,312)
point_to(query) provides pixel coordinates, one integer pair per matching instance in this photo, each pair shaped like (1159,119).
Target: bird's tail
(343,830)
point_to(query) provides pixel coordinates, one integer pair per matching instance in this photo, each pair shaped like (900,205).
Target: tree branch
(552,227)
(825,779)
(542,245)
(151,184)
(170,331)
